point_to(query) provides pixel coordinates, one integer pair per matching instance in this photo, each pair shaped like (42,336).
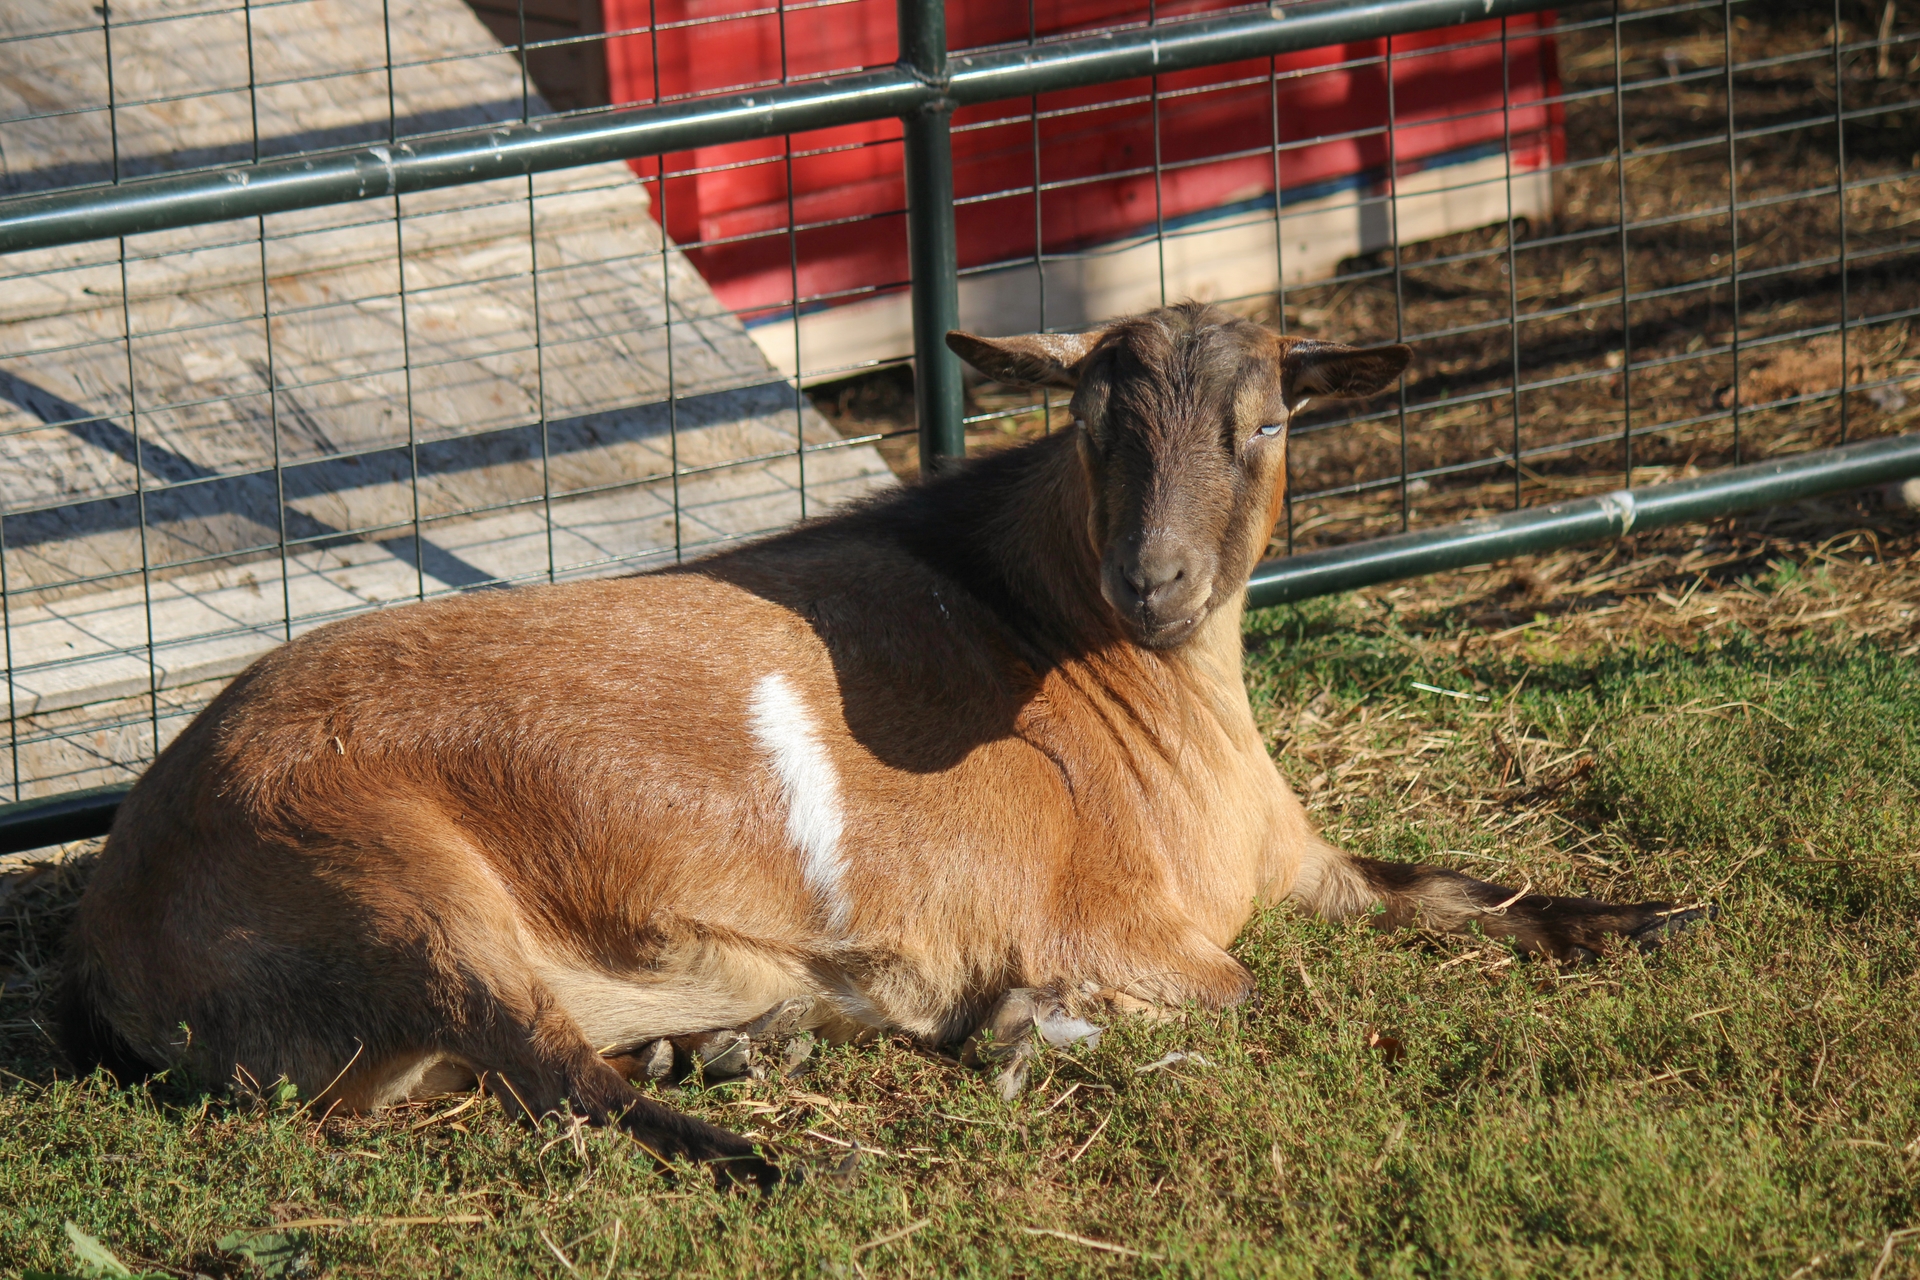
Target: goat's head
(1181,416)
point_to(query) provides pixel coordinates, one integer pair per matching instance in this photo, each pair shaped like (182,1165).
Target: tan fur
(497,834)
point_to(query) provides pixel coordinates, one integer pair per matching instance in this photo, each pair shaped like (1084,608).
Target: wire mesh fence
(1700,305)
(1629,242)
(1564,347)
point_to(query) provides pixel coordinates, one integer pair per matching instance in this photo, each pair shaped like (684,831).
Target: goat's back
(816,767)
(574,781)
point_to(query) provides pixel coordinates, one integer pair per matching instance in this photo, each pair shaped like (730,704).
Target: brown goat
(976,753)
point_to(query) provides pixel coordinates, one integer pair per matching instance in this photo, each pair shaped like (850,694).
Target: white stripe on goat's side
(815,819)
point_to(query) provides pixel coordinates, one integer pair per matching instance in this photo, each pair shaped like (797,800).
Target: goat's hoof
(782,1022)
(717,1055)
(1012,1080)
(655,1061)
(1666,924)
(730,1159)
(735,1162)
(844,1172)
(1006,1030)
(1017,1018)
(1059,1029)
(795,1057)
(731,1172)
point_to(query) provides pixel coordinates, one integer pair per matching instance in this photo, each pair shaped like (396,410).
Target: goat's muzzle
(1160,586)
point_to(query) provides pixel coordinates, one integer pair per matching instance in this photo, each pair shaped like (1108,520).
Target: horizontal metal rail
(81,815)
(72,815)
(514,150)
(1564,524)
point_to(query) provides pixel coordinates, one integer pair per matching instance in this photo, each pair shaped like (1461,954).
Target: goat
(976,753)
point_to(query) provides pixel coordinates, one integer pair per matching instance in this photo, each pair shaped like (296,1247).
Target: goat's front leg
(1026,1020)
(1023,1020)
(1336,885)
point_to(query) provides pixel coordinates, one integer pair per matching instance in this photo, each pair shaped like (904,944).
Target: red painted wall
(843,187)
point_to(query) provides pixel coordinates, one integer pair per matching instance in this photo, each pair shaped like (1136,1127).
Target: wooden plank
(341,373)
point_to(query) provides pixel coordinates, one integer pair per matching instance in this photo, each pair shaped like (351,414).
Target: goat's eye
(1273,429)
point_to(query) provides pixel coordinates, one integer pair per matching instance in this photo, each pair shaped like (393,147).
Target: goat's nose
(1158,571)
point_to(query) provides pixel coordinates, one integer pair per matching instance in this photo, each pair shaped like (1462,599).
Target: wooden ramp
(236,432)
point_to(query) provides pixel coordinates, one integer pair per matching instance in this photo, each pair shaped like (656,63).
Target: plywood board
(514,381)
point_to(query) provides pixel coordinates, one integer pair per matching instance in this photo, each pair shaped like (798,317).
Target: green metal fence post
(931,250)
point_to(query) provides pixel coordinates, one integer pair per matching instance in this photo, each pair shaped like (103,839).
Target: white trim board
(1218,259)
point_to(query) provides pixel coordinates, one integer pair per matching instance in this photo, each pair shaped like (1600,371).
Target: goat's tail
(83,1030)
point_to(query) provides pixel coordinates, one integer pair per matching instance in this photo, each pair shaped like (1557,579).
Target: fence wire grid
(1629,242)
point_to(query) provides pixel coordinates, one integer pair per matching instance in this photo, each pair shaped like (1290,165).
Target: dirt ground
(1679,398)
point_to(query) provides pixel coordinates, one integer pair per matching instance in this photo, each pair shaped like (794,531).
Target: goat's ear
(1329,369)
(1027,359)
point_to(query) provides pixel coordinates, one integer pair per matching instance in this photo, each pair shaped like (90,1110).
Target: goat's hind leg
(1336,885)
(775,1043)
(539,1062)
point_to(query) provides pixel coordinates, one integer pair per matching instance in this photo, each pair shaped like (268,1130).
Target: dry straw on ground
(1846,571)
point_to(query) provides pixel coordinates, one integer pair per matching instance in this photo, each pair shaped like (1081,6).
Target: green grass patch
(1742,1103)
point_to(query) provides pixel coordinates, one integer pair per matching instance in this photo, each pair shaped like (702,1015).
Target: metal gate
(311,306)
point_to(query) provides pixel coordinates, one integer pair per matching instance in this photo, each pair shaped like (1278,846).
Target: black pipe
(932,247)
(50,820)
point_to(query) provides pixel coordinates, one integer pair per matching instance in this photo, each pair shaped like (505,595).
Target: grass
(1743,1103)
